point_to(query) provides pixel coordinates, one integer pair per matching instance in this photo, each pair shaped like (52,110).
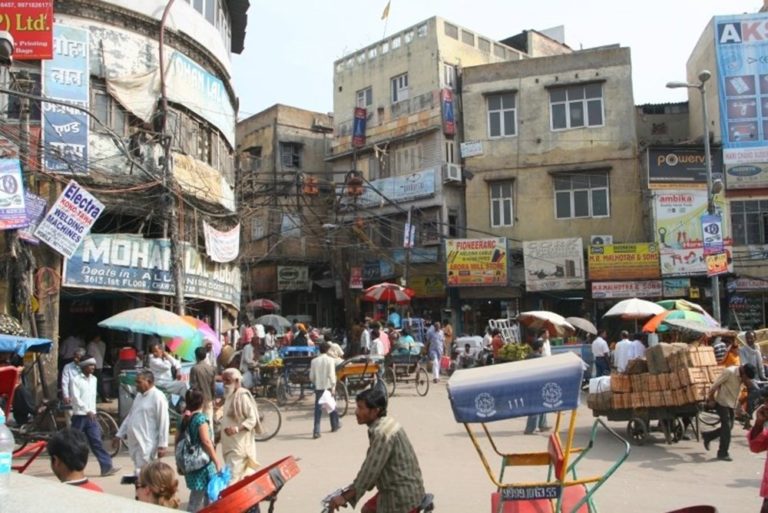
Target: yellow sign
(624,262)
(717,264)
(427,286)
(476,262)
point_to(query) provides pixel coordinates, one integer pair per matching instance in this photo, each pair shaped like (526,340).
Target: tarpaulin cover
(20,345)
(517,389)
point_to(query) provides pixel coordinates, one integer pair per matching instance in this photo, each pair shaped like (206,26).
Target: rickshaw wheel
(637,431)
(281,391)
(390,381)
(422,382)
(341,394)
(678,430)
(270,418)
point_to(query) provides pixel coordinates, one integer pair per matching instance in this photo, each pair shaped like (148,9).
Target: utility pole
(408,240)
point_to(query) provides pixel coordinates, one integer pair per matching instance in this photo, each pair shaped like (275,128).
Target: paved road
(656,478)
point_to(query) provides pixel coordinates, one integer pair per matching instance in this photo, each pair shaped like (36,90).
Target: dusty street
(656,478)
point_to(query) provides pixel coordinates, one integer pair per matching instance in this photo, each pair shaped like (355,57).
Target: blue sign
(12,209)
(397,189)
(66,78)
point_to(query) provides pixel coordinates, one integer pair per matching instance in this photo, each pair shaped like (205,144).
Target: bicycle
(426,505)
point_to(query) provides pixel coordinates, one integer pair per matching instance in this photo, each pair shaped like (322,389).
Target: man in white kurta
(145,429)
(161,363)
(238,423)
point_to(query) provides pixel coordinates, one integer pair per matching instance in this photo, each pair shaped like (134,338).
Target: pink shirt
(760,444)
(386,344)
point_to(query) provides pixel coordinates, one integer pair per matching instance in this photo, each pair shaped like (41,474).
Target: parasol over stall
(634,308)
(554,323)
(388,293)
(263,304)
(582,324)
(658,322)
(150,320)
(184,348)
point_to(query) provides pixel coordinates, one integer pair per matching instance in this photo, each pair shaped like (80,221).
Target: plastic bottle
(6,454)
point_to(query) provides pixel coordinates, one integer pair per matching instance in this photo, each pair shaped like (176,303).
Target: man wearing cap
(83,396)
(68,373)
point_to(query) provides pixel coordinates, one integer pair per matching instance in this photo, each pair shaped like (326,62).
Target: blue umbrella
(150,321)
(20,345)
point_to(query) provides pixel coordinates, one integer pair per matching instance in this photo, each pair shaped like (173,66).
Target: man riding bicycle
(390,464)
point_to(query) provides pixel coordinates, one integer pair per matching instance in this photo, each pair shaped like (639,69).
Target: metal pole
(710,195)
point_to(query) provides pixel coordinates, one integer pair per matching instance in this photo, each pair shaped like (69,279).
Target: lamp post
(705,75)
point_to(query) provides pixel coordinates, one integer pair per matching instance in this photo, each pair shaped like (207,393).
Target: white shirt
(97,348)
(377,347)
(322,372)
(487,339)
(622,354)
(147,424)
(365,340)
(83,394)
(638,350)
(161,367)
(210,359)
(68,373)
(546,347)
(246,359)
(269,341)
(600,347)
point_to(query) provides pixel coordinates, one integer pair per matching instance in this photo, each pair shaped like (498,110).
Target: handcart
(356,374)
(671,421)
(295,373)
(485,395)
(406,368)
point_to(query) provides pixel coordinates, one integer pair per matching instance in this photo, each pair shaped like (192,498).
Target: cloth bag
(189,456)
(327,402)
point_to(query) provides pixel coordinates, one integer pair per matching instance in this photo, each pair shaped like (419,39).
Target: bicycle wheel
(108,431)
(422,381)
(281,391)
(270,418)
(390,381)
(341,394)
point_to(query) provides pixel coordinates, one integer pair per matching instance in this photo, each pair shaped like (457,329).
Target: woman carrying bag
(196,424)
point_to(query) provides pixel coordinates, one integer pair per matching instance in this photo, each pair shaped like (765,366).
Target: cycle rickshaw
(485,395)
(355,374)
(406,368)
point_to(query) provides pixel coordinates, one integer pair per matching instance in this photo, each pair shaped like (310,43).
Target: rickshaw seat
(9,377)
(557,458)
(571,495)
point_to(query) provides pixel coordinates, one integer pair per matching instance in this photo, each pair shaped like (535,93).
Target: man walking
(68,374)
(202,376)
(322,374)
(724,397)
(602,354)
(536,421)
(751,354)
(83,394)
(145,429)
(240,419)
(436,345)
(98,349)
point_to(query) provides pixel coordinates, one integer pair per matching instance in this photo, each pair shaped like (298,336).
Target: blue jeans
(90,427)
(536,421)
(319,411)
(602,367)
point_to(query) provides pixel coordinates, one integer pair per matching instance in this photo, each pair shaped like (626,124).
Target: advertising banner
(747,284)
(745,311)
(743,84)
(66,78)
(670,167)
(13,212)
(676,287)
(356,278)
(222,246)
(476,262)
(30,24)
(623,289)
(678,230)
(427,286)
(400,188)
(358,128)
(36,207)
(624,262)
(292,277)
(449,117)
(69,220)
(556,264)
(717,263)
(131,263)
(712,229)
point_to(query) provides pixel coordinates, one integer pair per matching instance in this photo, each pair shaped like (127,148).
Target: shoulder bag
(190,457)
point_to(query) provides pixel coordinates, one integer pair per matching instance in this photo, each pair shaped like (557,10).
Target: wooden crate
(653,382)
(657,399)
(600,400)
(621,383)
(693,376)
(714,372)
(674,381)
(707,356)
(637,366)
(669,397)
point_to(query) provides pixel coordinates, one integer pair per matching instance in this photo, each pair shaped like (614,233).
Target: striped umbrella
(388,293)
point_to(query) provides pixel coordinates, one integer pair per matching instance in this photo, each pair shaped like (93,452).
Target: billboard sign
(624,261)
(31,25)
(556,264)
(622,289)
(476,262)
(69,220)
(13,212)
(670,167)
(358,127)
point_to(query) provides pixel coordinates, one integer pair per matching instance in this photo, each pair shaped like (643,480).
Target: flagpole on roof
(385,17)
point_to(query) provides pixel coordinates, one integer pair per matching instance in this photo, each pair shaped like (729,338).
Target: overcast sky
(290,45)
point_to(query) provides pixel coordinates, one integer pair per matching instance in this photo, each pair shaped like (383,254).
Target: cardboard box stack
(677,374)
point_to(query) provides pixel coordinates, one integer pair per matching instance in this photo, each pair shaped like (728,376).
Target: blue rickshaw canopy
(516,389)
(20,345)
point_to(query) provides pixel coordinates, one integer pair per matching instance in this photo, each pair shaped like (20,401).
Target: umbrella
(582,324)
(263,304)
(150,321)
(681,304)
(20,345)
(185,347)
(699,327)
(655,323)
(634,309)
(280,323)
(388,293)
(540,319)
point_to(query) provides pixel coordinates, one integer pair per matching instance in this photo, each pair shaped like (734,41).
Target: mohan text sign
(624,262)
(131,263)
(556,264)
(476,262)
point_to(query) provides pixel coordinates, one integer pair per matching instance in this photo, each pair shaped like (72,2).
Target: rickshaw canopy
(20,345)
(516,389)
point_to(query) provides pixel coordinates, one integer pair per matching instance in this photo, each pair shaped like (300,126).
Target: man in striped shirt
(390,465)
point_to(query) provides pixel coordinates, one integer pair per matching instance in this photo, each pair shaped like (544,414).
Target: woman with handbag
(198,461)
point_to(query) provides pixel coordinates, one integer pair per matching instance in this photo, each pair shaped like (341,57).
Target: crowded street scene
(260,259)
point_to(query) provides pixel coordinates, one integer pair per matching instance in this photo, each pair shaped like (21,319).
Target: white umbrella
(540,319)
(634,309)
(582,324)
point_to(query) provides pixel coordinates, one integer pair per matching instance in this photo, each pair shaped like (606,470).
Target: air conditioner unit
(599,240)
(452,173)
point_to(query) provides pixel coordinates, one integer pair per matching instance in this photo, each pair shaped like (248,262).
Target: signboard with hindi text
(476,262)
(624,261)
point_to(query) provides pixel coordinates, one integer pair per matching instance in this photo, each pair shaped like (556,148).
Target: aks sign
(742,32)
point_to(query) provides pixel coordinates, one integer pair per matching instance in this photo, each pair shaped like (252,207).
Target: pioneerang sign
(624,262)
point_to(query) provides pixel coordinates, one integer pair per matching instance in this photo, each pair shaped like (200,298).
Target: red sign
(449,117)
(31,25)
(358,130)
(356,278)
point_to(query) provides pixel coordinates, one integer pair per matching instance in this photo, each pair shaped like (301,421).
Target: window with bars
(107,110)
(400,88)
(290,155)
(582,195)
(749,222)
(501,204)
(502,116)
(449,76)
(576,106)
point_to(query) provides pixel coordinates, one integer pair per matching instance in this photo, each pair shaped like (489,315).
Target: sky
(290,45)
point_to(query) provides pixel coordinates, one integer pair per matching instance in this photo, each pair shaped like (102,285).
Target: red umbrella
(388,293)
(263,304)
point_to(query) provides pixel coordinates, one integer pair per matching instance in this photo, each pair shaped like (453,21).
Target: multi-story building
(552,155)
(155,128)
(286,195)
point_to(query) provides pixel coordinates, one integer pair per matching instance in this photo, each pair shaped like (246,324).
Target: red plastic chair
(9,378)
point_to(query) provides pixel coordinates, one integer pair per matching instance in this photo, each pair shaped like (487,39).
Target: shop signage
(36,207)
(745,311)
(13,212)
(426,255)
(747,284)
(676,287)
(746,176)
(471,149)
(399,188)
(131,263)
(69,220)
(712,230)
(622,289)
(678,230)
(476,262)
(222,246)
(671,167)
(556,264)
(66,78)
(292,277)
(717,263)
(358,127)
(356,278)
(427,286)
(30,24)
(624,261)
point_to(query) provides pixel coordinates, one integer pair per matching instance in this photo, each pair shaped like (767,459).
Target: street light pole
(705,75)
